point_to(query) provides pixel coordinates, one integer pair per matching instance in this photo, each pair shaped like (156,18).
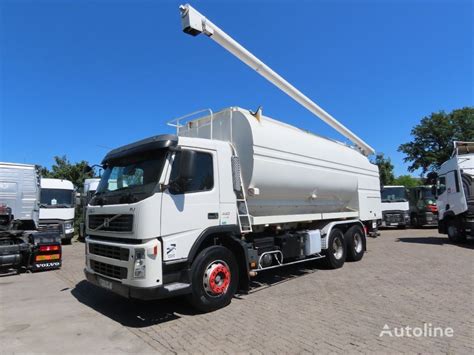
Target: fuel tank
(288,171)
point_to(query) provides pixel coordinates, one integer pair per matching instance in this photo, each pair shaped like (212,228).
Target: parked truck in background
(395,207)
(455,193)
(231,194)
(22,246)
(423,209)
(88,191)
(58,206)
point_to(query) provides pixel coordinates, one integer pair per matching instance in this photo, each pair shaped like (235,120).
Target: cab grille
(116,272)
(111,222)
(109,251)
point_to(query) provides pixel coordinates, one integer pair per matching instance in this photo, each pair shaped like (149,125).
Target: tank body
(288,171)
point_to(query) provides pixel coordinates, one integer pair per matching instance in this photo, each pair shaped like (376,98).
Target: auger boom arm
(195,23)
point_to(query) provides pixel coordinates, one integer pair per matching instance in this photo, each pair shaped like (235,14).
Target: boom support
(195,23)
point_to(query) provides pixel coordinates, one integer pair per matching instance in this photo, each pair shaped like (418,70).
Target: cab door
(455,194)
(189,207)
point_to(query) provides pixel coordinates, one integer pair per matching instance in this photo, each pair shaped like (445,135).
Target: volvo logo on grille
(106,222)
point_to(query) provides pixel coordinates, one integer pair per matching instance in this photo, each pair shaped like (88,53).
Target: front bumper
(429,219)
(141,293)
(395,219)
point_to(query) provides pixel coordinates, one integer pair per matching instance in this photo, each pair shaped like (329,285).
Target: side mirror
(187,164)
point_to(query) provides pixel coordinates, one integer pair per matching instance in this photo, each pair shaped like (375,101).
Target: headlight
(68,225)
(139,265)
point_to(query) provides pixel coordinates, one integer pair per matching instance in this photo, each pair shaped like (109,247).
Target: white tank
(288,171)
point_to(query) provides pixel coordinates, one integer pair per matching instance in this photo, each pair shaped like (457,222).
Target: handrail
(176,121)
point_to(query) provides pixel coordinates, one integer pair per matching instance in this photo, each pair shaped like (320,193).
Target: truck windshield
(427,194)
(130,179)
(394,194)
(56,198)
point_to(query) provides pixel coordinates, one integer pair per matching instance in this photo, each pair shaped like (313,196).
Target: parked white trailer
(229,195)
(455,193)
(58,206)
(20,191)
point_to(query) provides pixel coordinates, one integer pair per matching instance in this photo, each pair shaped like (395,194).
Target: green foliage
(433,136)
(63,169)
(407,181)
(385,169)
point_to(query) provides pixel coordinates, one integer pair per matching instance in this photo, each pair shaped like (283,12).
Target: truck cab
(455,193)
(423,209)
(57,206)
(395,206)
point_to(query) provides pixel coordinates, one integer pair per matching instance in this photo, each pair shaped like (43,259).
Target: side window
(202,180)
(441,185)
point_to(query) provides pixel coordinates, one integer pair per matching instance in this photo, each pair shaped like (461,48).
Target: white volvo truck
(231,194)
(455,193)
(57,206)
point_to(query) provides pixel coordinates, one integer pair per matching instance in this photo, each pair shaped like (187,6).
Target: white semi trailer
(229,195)
(455,193)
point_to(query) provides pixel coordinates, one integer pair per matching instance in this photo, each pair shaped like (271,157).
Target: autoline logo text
(425,331)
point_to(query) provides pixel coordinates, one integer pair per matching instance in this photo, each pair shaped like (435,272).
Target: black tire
(66,241)
(415,223)
(355,241)
(336,251)
(213,264)
(454,231)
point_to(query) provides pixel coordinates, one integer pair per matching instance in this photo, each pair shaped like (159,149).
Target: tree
(385,169)
(407,181)
(63,169)
(433,136)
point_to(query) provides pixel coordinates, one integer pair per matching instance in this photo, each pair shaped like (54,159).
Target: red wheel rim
(217,278)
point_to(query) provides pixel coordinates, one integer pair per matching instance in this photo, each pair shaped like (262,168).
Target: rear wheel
(214,277)
(454,230)
(336,252)
(355,240)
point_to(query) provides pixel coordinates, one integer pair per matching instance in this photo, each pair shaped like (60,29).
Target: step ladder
(242,207)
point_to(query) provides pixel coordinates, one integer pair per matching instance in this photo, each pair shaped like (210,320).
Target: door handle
(213,215)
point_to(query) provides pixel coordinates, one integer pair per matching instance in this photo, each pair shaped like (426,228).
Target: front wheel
(214,278)
(336,251)
(455,232)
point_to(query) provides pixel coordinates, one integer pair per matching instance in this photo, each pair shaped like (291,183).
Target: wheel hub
(337,248)
(216,278)
(357,243)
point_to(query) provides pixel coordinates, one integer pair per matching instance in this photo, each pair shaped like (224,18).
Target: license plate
(394,224)
(105,283)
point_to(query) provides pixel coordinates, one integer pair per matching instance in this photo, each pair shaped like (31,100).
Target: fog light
(139,265)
